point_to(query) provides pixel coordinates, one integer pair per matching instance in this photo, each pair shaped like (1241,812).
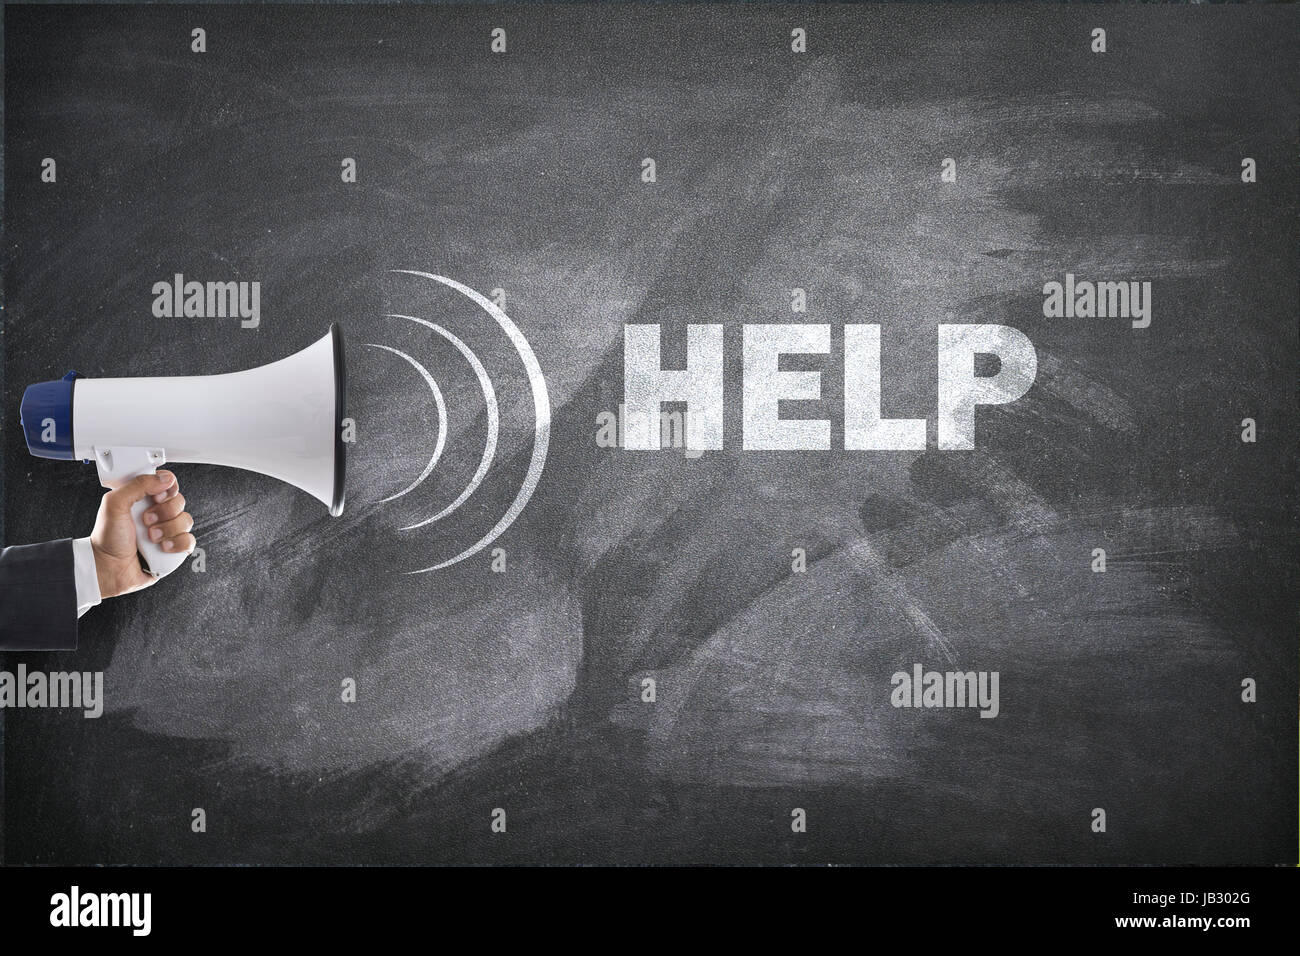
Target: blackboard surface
(521,690)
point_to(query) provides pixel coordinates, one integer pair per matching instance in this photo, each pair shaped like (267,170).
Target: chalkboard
(672,656)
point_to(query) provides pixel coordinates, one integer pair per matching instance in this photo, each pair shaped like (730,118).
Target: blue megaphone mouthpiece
(46,418)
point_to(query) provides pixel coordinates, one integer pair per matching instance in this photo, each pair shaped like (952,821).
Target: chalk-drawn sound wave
(541,416)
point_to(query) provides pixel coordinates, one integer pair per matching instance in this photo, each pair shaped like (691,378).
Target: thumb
(120,499)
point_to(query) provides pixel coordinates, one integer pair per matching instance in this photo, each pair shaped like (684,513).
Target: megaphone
(283,419)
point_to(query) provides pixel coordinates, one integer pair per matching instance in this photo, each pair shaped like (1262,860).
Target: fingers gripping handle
(118,466)
(160,563)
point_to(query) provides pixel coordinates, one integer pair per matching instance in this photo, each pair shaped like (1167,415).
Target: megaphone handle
(118,466)
(161,563)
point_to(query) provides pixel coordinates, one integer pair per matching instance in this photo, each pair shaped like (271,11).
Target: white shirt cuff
(83,565)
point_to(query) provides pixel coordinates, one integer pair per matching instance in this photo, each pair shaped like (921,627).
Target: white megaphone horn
(283,419)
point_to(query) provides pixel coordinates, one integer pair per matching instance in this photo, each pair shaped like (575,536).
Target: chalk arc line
(493,418)
(541,416)
(442,421)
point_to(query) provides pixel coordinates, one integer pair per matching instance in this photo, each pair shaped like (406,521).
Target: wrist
(103,572)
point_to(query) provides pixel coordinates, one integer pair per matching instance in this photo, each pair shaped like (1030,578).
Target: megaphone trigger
(116,467)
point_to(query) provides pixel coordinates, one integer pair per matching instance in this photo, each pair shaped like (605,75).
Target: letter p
(960,390)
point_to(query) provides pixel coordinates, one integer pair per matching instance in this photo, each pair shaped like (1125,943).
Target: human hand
(117,563)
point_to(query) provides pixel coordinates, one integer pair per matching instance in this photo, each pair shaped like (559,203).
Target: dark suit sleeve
(38,597)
